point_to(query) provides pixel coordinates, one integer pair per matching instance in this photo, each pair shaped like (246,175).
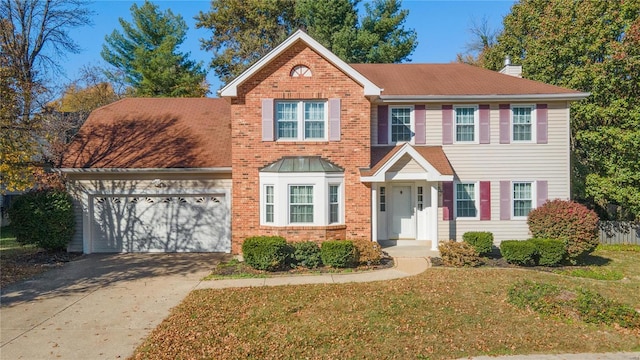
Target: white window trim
(300,118)
(313,205)
(476,124)
(263,204)
(320,182)
(533,124)
(340,204)
(512,199)
(476,189)
(412,126)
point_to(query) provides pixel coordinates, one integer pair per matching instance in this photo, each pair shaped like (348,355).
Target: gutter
(475,98)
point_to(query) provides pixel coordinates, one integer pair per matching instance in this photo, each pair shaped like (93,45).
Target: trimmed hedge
(459,254)
(569,221)
(307,254)
(43,218)
(338,253)
(266,252)
(368,252)
(519,252)
(482,241)
(550,252)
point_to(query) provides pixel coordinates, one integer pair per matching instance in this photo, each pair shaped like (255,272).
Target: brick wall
(249,152)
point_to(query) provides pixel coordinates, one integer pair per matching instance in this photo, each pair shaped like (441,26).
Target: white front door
(402,214)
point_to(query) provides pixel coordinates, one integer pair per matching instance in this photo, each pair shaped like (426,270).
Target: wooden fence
(619,232)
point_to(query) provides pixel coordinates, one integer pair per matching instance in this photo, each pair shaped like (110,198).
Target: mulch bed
(18,266)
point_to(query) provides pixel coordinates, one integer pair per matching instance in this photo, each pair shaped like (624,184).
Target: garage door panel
(161,224)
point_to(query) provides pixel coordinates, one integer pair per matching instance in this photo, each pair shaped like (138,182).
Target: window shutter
(447,200)
(420,116)
(485,127)
(485,200)
(505,200)
(383,124)
(541,123)
(505,123)
(334,119)
(267,120)
(542,192)
(447,124)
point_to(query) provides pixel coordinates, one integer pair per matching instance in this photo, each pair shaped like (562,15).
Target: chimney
(509,69)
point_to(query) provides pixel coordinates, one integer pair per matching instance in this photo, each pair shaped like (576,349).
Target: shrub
(569,221)
(482,241)
(43,218)
(369,252)
(518,252)
(266,252)
(459,254)
(549,252)
(307,254)
(338,253)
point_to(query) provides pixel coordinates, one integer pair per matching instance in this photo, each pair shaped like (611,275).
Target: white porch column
(434,211)
(374,212)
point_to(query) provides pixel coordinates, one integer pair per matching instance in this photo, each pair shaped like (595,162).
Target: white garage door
(176,223)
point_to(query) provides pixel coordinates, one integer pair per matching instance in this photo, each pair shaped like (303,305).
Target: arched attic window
(300,71)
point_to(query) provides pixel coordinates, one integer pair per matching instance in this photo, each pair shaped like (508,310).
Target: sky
(442,28)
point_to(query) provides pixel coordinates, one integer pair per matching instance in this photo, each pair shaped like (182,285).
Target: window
(522,199)
(268,201)
(522,123)
(300,71)
(383,199)
(401,124)
(420,198)
(293,115)
(465,124)
(466,200)
(301,204)
(334,204)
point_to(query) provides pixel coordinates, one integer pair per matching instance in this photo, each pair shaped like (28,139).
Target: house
(306,146)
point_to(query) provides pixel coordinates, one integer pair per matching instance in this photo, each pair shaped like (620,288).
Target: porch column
(374,213)
(434,211)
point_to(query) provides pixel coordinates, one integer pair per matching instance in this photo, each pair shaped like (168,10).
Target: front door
(402,219)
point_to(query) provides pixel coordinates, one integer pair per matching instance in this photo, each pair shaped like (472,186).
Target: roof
(231,88)
(434,155)
(452,80)
(302,164)
(156,133)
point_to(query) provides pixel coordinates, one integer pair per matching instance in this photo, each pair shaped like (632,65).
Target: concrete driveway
(97,307)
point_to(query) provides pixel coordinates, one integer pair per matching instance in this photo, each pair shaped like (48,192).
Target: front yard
(440,314)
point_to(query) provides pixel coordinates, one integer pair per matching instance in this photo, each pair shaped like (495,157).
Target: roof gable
(431,159)
(231,89)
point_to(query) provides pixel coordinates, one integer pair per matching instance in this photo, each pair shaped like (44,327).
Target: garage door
(177,223)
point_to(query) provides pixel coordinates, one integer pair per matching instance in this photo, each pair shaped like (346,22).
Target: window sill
(304,227)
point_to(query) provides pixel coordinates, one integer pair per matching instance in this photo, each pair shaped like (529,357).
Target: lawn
(442,313)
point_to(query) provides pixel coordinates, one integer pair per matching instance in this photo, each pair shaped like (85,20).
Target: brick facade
(249,152)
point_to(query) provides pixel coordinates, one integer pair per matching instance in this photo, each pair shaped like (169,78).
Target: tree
(591,46)
(483,38)
(244,31)
(146,52)
(33,36)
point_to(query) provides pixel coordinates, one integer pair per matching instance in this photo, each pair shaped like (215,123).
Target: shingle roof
(450,79)
(154,133)
(380,155)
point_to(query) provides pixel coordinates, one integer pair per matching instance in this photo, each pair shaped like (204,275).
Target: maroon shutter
(541,123)
(334,119)
(267,120)
(485,129)
(383,124)
(542,192)
(421,118)
(505,123)
(485,200)
(505,200)
(447,124)
(447,200)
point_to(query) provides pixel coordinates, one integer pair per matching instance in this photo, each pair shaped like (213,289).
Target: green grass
(441,314)
(595,273)
(7,238)
(619,247)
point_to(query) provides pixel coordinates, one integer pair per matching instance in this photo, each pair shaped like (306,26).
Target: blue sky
(442,28)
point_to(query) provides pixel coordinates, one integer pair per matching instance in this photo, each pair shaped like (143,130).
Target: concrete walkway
(590,356)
